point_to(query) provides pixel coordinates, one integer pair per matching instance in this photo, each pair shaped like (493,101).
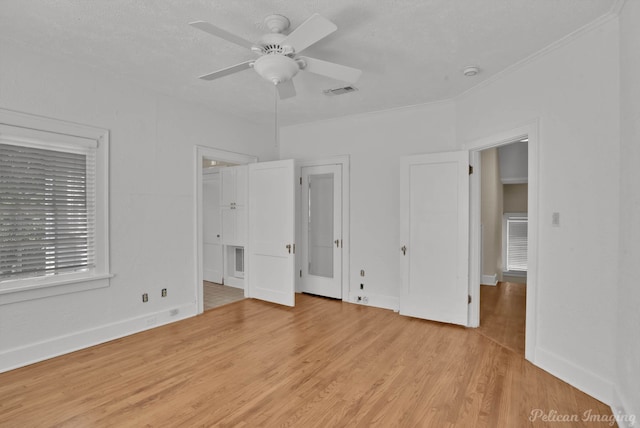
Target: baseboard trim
(586,381)
(44,350)
(375,300)
(490,279)
(625,415)
(235,282)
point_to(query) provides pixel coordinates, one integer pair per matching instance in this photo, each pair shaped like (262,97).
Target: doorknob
(337,242)
(404,250)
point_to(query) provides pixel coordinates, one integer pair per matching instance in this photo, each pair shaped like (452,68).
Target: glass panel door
(321,220)
(320,225)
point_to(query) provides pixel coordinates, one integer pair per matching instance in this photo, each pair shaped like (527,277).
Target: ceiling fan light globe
(276,68)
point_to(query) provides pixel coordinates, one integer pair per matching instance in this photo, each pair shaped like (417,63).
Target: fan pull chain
(277,129)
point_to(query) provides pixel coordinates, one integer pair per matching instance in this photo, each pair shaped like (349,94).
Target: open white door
(434,233)
(271,210)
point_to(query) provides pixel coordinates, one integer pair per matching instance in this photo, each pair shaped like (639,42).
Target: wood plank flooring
(502,314)
(324,363)
(215,295)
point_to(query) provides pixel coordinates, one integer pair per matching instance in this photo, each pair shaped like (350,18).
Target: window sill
(519,273)
(30,289)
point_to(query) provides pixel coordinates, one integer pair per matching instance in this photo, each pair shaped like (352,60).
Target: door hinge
(470,169)
(469,299)
(300,273)
(301,181)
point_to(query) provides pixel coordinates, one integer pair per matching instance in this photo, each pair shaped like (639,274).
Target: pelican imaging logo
(587,416)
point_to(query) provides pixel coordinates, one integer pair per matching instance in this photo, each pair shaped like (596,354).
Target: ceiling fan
(278,60)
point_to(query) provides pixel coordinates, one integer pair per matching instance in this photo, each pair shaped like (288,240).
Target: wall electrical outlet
(164,292)
(145,298)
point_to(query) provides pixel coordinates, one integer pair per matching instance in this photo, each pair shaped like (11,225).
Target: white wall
(515,198)
(628,345)
(375,143)
(151,196)
(573,92)
(491,208)
(513,163)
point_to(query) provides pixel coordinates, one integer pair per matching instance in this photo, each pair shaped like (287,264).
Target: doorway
(529,132)
(504,223)
(213,257)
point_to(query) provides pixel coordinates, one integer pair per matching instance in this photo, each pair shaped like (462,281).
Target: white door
(271,263)
(212,251)
(434,233)
(321,238)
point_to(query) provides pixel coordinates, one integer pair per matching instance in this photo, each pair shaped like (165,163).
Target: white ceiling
(411,51)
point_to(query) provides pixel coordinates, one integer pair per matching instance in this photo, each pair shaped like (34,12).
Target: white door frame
(346,242)
(200,153)
(530,130)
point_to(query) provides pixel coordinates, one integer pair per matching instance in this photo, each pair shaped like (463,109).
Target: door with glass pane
(321,229)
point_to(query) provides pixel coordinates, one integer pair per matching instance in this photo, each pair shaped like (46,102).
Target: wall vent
(340,91)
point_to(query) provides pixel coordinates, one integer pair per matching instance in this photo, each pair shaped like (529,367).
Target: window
(52,204)
(514,233)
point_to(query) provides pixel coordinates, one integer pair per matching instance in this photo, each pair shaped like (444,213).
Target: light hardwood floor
(502,314)
(215,295)
(324,363)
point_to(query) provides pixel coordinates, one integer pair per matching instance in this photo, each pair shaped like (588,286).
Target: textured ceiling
(411,51)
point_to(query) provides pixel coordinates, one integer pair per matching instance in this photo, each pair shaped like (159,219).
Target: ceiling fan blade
(223,34)
(309,32)
(330,69)
(286,89)
(227,71)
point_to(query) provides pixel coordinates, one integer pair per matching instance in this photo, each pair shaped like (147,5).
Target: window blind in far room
(47,210)
(516,243)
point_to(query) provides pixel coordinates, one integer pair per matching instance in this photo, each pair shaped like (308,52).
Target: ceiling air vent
(340,91)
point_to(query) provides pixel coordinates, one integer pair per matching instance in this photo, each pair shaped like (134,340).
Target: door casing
(530,130)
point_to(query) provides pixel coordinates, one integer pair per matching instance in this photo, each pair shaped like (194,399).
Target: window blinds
(517,244)
(47,211)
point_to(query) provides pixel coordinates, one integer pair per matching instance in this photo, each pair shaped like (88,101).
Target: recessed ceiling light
(471,71)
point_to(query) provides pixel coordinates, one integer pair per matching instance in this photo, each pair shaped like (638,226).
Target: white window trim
(505,216)
(16,126)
